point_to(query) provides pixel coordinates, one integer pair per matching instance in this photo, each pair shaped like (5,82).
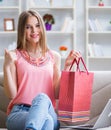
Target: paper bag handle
(77,63)
(74,61)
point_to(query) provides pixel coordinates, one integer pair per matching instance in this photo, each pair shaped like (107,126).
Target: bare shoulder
(57,60)
(56,55)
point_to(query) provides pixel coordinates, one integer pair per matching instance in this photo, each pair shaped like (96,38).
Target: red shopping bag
(75,94)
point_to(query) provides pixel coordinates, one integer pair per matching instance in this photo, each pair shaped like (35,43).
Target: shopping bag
(75,94)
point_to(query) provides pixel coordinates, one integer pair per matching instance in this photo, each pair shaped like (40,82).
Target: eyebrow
(29,24)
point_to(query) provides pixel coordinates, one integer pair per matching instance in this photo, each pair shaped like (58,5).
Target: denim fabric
(40,116)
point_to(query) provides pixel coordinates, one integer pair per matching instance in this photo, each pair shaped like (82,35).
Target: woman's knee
(42,97)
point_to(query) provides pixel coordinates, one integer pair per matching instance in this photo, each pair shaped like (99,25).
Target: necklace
(34,60)
(36,55)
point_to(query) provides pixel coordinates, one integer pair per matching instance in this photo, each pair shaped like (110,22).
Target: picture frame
(9,24)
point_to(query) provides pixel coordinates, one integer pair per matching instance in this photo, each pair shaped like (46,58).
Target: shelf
(53,8)
(59,32)
(9,7)
(8,10)
(99,32)
(98,36)
(8,32)
(99,8)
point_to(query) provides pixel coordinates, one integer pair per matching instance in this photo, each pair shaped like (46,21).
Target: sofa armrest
(1,78)
(101,92)
(2,119)
(4,100)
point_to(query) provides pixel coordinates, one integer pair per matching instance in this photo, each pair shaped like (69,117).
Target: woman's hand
(72,55)
(9,58)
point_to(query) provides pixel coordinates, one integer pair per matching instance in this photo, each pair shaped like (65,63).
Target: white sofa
(101,94)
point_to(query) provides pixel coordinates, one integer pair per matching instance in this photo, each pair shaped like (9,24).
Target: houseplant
(101,3)
(48,20)
(63,50)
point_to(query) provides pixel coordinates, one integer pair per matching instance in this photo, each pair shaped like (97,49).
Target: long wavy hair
(21,38)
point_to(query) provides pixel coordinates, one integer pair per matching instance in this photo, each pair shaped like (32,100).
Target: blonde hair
(21,39)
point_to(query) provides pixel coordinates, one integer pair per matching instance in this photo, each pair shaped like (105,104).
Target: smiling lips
(34,35)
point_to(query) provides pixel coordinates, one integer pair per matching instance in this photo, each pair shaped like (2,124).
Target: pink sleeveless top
(34,76)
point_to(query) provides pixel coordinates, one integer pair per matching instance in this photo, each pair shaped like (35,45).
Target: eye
(27,26)
(37,25)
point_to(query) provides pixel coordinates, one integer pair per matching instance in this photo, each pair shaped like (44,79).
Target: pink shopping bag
(75,94)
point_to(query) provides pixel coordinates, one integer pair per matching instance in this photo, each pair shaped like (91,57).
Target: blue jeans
(40,116)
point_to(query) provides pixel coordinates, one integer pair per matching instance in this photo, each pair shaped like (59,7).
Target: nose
(33,29)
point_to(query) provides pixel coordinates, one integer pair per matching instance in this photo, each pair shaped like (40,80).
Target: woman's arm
(10,84)
(57,73)
(57,67)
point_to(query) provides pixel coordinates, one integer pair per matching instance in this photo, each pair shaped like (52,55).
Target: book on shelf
(95,25)
(95,50)
(98,50)
(98,25)
(90,50)
(92,25)
(68,25)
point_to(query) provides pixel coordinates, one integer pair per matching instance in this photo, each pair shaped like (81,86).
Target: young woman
(31,77)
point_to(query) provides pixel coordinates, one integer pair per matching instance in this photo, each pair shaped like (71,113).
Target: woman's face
(32,30)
